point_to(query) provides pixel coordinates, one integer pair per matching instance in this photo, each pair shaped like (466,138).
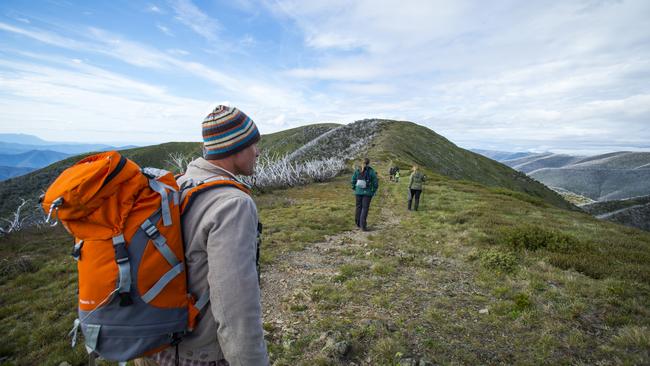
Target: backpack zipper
(116,171)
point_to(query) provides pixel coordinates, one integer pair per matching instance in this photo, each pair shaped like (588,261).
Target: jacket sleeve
(354,179)
(234,287)
(411,180)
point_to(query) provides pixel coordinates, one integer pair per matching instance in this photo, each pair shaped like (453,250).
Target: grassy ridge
(405,143)
(402,142)
(556,286)
(559,286)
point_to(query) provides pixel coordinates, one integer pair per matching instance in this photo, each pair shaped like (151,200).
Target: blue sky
(564,76)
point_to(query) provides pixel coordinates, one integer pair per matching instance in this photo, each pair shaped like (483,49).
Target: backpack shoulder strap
(193,189)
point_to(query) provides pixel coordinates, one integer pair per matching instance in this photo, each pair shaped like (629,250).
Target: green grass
(559,286)
(295,217)
(470,248)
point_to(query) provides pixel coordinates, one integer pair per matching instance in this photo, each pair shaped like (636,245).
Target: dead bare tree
(17,221)
(179,161)
(281,172)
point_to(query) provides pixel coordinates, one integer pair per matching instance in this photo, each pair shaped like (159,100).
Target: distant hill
(502,155)
(32,159)
(406,142)
(611,176)
(21,138)
(603,177)
(598,184)
(531,163)
(71,149)
(7,172)
(631,212)
(12,143)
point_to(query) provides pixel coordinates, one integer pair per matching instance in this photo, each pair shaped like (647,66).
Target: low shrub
(532,237)
(522,301)
(10,267)
(536,201)
(498,260)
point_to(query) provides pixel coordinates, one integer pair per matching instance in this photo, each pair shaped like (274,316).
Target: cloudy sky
(564,76)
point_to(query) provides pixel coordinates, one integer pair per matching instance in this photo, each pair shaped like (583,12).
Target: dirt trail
(293,273)
(287,284)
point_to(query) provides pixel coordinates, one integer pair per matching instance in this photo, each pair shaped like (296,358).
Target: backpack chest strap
(124,269)
(160,242)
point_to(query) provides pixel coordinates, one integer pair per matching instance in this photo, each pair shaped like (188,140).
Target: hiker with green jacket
(416,183)
(365,184)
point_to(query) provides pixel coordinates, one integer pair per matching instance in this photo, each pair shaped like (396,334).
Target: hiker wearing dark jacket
(220,235)
(364,183)
(416,183)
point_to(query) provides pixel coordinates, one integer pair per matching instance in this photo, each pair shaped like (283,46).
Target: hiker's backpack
(126,223)
(363,179)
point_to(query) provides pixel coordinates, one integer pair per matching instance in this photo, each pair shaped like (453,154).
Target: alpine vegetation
(22,217)
(318,160)
(272,172)
(179,160)
(345,142)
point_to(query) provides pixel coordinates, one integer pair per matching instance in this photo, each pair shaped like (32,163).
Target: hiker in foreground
(365,184)
(220,234)
(416,182)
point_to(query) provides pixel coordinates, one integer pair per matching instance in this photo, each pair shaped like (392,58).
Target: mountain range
(402,143)
(596,183)
(610,176)
(20,152)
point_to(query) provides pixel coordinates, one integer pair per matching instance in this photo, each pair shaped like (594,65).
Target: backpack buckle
(76,250)
(149,229)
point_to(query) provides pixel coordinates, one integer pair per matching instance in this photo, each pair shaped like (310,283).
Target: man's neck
(225,165)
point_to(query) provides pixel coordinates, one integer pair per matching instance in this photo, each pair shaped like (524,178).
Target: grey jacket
(220,235)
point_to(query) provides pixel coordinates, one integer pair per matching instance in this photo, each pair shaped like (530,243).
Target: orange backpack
(126,221)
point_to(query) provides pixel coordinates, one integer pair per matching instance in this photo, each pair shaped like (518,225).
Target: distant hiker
(416,182)
(220,232)
(392,172)
(396,175)
(365,184)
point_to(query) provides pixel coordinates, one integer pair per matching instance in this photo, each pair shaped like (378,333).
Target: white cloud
(191,16)
(41,36)
(476,70)
(250,93)
(107,103)
(538,73)
(154,9)
(165,30)
(177,51)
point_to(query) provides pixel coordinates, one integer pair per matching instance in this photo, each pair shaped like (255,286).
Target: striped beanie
(227,130)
